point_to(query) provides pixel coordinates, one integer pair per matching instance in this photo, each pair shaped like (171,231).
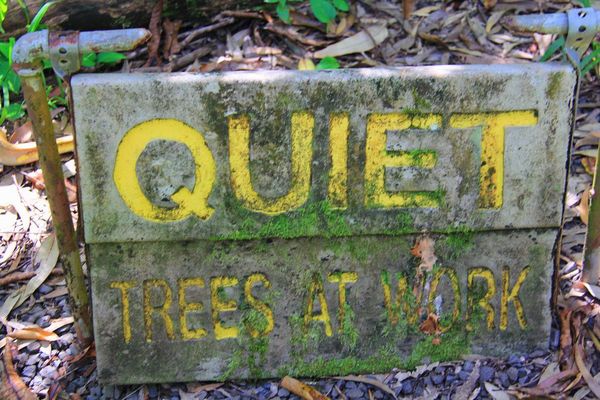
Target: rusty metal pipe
(549,23)
(61,47)
(34,91)
(33,47)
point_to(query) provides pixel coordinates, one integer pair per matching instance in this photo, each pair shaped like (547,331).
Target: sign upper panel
(298,154)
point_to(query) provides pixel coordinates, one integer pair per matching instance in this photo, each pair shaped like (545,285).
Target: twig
(193,34)
(15,277)
(246,14)
(187,59)
(293,35)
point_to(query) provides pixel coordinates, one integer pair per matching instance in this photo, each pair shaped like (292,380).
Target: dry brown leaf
(306,64)
(26,153)
(22,134)
(585,372)
(589,164)
(496,392)
(431,325)
(407,8)
(16,277)
(584,206)
(489,3)
(301,390)
(34,333)
(13,387)
(46,257)
(424,249)
(364,40)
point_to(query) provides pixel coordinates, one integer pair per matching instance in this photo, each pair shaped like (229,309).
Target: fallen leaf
(589,164)
(584,206)
(306,64)
(301,390)
(34,333)
(489,3)
(407,7)
(585,372)
(467,388)
(364,40)
(496,392)
(46,257)
(431,325)
(16,277)
(26,153)
(424,249)
(22,134)
(12,387)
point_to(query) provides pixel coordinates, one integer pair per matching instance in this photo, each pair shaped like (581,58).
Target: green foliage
(328,63)
(3,10)
(10,83)
(324,10)
(349,333)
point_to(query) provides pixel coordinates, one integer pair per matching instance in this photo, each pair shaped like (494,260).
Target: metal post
(64,50)
(580,25)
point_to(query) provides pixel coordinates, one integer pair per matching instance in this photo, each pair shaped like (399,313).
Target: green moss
(454,344)
(458,241)
(343,366)
(309,220)
(348,331)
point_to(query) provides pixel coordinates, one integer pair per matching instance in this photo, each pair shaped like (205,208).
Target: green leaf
(35,22)
(13,82)
(323,10)
(14,111)
(553,48)
(3,10)
(88,60)
(341,5)
(590,61)
(586,3)
(283,11)
(109,58)
(272,1)
(328,63)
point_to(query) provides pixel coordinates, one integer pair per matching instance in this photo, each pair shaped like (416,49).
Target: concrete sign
(260,224)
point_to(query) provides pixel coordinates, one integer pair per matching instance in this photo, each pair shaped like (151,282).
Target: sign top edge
(439,71)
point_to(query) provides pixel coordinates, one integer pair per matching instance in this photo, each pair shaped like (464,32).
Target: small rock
(152,391)
(486,373)
(450,379)
(468,366)
(29,371)
(523,372)
(408,386)
(350,385)
(427,380)
(437,379)
(33,347)
(32,359)
(463,375)
(43,321)
(537,353)
(355,393)
(48,372)
(378,394)
(66,339)
(513,359)
(36,381)
(73,349)
(513,374)
(283,393)
(504,380)
(202,395)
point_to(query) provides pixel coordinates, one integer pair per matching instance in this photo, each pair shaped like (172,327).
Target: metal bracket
(579,24)
(63,51)
(582,27)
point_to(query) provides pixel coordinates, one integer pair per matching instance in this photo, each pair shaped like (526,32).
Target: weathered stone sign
(258,224)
